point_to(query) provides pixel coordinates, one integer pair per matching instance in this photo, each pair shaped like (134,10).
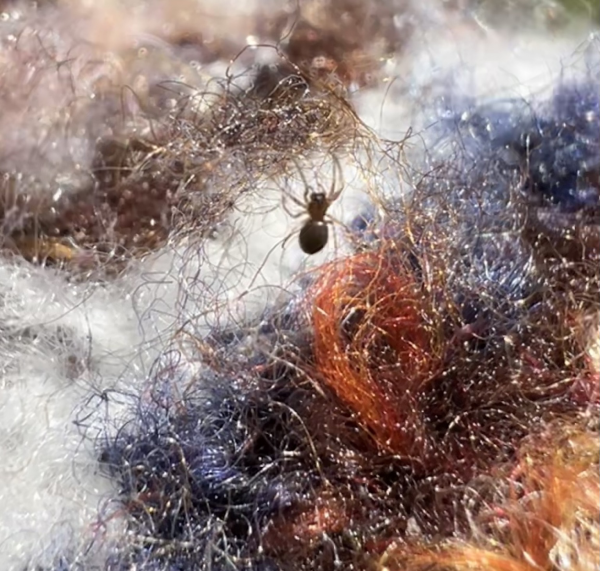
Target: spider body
(314,233)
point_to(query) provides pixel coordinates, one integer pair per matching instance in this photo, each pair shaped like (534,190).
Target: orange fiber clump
(374,347)
(293,532)
(547,518)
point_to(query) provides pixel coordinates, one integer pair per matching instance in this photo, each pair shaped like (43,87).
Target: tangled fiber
(423,395)
(418,366)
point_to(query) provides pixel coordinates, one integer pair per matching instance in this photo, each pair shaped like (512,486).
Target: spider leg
(331,220)
(335,238)
(304,181)
(287,239)
(296,201)
(334,194)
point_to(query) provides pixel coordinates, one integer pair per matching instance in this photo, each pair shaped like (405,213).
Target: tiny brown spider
(314,233)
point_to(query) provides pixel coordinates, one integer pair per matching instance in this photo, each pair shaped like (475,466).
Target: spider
(314,233)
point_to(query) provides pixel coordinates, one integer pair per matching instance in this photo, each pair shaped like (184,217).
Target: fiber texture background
(181,387)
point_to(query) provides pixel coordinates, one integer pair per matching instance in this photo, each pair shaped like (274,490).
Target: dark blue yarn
(565,152)
(555,145)
(211,466)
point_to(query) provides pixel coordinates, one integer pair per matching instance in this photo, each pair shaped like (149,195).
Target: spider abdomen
(313,237)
